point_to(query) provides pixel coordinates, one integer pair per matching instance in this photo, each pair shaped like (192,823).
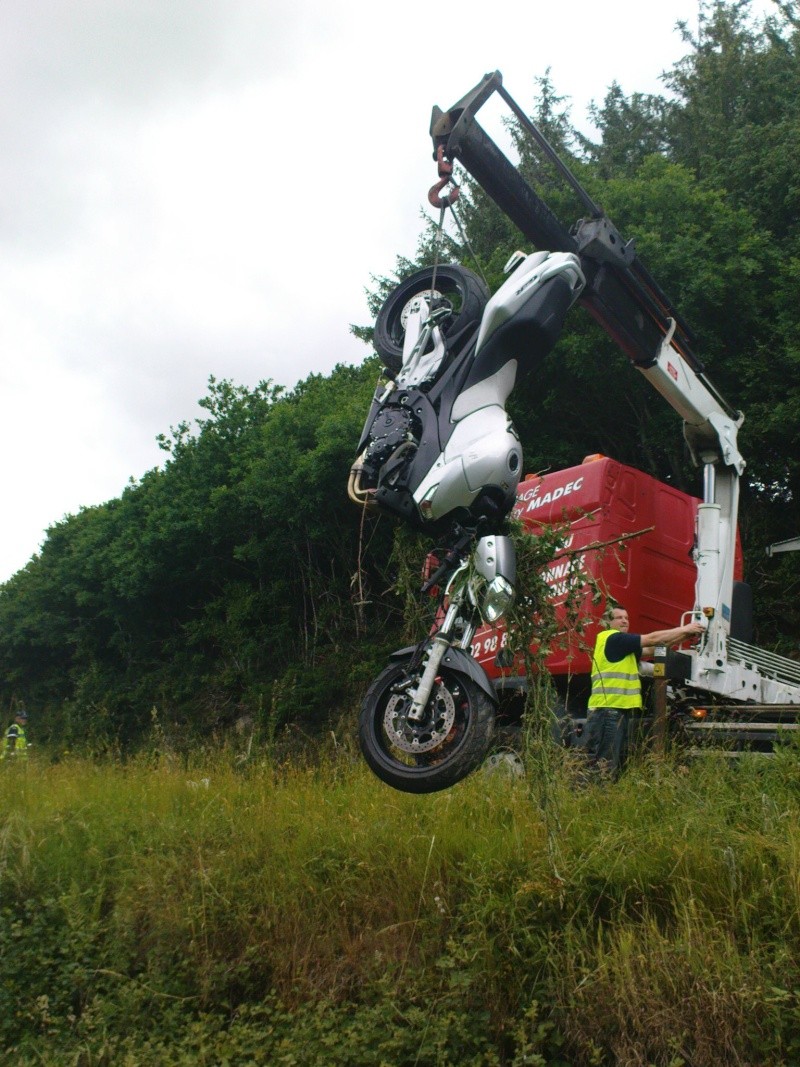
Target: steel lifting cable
(445,170)
(437,244)
(465,239)
(443,203)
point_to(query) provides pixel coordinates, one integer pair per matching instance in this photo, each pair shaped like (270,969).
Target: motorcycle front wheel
(449,742)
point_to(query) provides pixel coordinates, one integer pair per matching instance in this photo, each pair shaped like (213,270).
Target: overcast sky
(197,187)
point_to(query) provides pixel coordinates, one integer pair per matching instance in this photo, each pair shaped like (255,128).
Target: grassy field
(259,911)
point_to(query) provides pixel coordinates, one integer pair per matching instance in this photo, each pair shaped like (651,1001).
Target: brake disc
(414,737)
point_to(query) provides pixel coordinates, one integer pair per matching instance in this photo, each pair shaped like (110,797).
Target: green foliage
(210,581)
(633,128)
(736,122)
(269,912)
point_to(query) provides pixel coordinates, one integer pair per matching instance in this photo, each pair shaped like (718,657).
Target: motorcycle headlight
(498,599)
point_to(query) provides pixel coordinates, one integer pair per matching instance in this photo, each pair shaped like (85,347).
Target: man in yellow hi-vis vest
(15,743)
(616,689)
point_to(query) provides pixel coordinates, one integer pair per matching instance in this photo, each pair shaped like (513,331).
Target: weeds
(254,913)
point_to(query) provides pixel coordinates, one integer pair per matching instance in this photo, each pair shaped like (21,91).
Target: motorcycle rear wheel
(459,285)
(450,742)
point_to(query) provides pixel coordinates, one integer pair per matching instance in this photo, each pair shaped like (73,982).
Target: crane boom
(620,293)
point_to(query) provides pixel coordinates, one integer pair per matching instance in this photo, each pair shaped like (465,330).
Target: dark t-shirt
(618,646)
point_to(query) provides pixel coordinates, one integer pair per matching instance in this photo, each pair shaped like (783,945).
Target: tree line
(237,579)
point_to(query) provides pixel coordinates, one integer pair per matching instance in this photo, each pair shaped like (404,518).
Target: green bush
(251,911)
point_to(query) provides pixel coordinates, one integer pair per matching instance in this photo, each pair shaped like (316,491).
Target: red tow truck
(633,539)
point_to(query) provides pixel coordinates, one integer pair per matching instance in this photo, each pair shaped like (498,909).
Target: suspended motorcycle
(439,452)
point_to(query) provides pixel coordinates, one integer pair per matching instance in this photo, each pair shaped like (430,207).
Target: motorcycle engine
(394,439)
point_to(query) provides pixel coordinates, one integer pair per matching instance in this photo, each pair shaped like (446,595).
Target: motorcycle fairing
(495,555)
(483,455)
(525,317)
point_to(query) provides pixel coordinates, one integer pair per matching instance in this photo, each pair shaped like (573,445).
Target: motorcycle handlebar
(451,560)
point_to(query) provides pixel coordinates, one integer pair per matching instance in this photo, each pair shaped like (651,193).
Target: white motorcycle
(439,451)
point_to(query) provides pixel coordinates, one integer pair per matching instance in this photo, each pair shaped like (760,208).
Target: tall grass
(274,913)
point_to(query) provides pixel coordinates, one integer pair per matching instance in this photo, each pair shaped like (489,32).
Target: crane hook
(445,177)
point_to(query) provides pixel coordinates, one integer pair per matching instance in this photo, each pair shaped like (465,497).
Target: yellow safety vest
(614,685)
(15,744)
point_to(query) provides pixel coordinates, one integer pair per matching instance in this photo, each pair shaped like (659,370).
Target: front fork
(421,694)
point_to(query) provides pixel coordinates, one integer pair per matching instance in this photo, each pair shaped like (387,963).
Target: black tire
(462,712)
(461,287)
